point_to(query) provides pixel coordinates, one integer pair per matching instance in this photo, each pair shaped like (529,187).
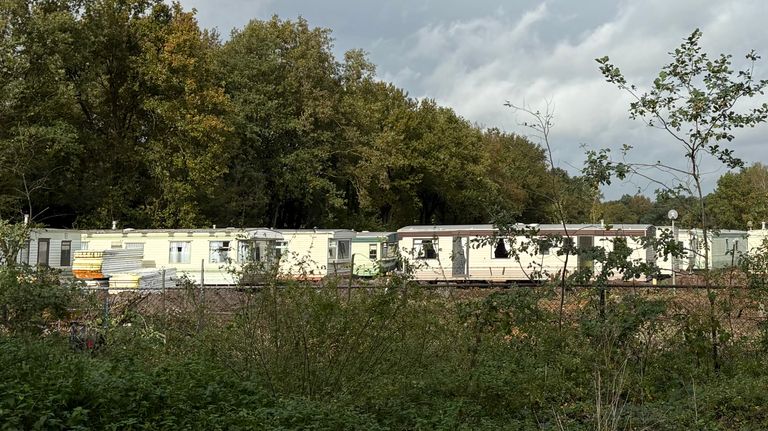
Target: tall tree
(151,108)
(740,198)
(695,100)
(38,142)
(519,169)
(112,111)
(628,209)
(283,80)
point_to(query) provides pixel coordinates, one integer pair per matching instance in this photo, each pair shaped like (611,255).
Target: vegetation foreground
(400,357)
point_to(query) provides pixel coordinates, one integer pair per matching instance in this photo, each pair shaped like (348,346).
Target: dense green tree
(518,167)
(151,109)
(740,197)
(126,110)
(628,209)
(282,79)
(576,196)
(111,112)
(38,142)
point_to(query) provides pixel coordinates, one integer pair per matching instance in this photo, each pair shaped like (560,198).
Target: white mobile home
(374,253)
(50,247)
(725,248)
(206,255)
(756,238)
(315,253)
(478,252)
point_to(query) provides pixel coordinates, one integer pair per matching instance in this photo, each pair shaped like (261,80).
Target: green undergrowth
(306,358)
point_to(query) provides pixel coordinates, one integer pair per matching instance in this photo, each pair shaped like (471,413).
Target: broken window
(425,248)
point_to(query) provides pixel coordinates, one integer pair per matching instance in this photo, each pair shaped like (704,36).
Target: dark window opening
(43,250)
(66,253)
(501,251)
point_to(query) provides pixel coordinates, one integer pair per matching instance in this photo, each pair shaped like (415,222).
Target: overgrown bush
(398,356)
(31,297)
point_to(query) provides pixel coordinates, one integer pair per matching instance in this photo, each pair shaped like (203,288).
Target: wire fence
(735,310)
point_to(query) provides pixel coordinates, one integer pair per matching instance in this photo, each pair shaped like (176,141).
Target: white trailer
(208,256)
(374,253)
(50,247)
(725,248)
(756,239)
(480,253)
(313,254)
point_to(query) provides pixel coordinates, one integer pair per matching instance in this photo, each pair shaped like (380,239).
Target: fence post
(163,293)
(201,302)
(351,274)
(106,307)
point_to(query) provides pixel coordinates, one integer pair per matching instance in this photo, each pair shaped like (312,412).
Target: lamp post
(672,215)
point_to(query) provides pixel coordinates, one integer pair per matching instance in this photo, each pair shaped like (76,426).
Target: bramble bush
(400,356)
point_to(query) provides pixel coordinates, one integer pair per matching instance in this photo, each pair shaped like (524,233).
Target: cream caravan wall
(438,268)
(474,257)
(755,238)
(201,258)
(722,245)
(639,252)
(484,264)
(481,263)
(305,253)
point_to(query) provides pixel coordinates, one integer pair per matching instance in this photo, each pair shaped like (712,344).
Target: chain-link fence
(735,310)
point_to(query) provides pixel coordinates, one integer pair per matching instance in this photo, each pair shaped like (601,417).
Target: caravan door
(459,257)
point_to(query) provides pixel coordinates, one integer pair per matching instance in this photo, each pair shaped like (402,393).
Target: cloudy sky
(474,56)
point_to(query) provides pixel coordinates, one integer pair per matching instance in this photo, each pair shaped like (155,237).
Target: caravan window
(66,253)
(425,248)
(24,254)
(545,245)
(218,251)
(180,252)
(620,244)
(338,250)
(134,246)
(373,251)
(568,243)
(249,251)
(502,249)
(281,248)
(343,248)
(43,251)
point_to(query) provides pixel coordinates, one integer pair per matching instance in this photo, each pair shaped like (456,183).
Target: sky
(475,56)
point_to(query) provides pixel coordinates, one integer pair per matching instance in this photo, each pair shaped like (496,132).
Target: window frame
(334,249)
(68,261)
(47,242)
(545,247)
(24,253)
(180,259)
(507,243)
(620,241)
(418,247)
(132,246)
(281,248)
(373,251)
(221,252)
(249,251)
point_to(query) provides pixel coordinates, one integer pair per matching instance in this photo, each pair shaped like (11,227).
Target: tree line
(127,110)
(740,200)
